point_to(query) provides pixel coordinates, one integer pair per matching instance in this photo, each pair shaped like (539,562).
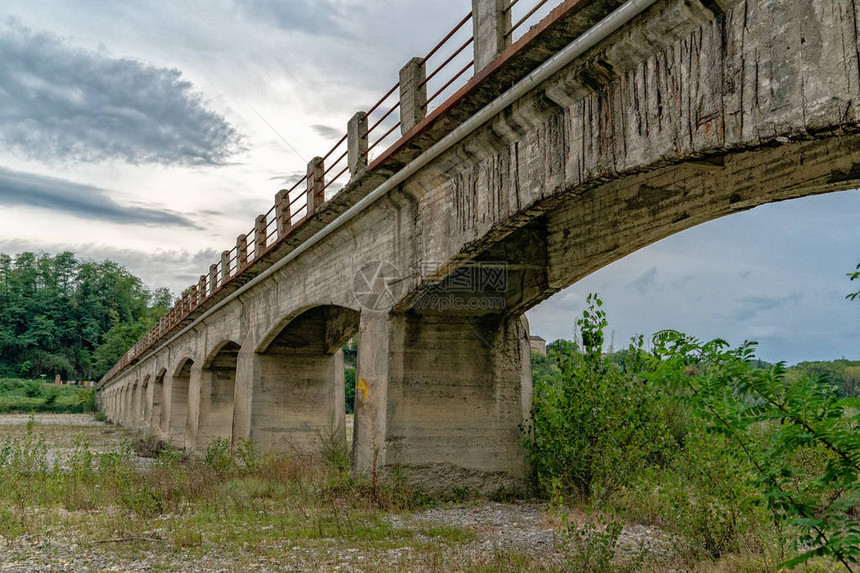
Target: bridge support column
(442,398)
(192,410)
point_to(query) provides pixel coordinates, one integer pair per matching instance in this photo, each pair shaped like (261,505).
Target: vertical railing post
(225,266)
(413,94)
(356,143)
(192,298)
(316,193)
(241,252)
(213,277)
(259,236)
(490,24)
(201,289)
(282,212)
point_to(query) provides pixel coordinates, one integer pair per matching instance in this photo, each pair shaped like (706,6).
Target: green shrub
(799,442)
(333,448)
(592,548)
(87,399)
(594,424)
(219,456)
(32,389)
(349,389)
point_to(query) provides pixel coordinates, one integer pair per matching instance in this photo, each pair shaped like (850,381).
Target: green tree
(592,423)
(799,438)
(56,311)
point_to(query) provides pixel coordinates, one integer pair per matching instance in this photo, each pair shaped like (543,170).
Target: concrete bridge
(604,128)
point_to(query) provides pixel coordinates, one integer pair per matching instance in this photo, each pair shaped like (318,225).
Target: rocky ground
(477,536)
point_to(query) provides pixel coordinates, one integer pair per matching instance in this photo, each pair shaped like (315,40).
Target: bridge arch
(128,402)
(177,405)
(298,386)
(217,393)
(157,411)
(133,419)
(145,402)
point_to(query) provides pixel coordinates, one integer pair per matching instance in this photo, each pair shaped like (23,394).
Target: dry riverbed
(269,530)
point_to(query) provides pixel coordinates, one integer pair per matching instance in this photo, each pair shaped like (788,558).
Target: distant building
(538,344)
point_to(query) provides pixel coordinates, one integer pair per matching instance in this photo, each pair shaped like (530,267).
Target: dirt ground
(469,536)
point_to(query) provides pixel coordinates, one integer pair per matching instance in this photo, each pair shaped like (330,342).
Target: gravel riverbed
(488,529)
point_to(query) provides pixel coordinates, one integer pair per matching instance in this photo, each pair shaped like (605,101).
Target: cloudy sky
(153,132)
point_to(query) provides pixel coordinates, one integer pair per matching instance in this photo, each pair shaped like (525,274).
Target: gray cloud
(18,189)
(752,305)
(327,131)
(645,282)
(58,102)
(318,17)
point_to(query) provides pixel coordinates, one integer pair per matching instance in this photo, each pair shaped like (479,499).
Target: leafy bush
(333,448)
(800,444)
(32,389)
(592,547)
(88,399)
(349,389)
(219,456)
(592,423)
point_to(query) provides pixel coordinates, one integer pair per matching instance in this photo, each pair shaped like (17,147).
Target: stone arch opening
(299,387)
(217,394)
(180,383)
(156,416)
(134,401)
(128,403)
(145,400)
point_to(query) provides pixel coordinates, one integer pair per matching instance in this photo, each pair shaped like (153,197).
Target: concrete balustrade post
(259,236)
(490,24)
(413,94)
(192,297)
(316,184)
(201,289)
(225,266)
(356,141)
(241,252)
(282,212)
(213,277)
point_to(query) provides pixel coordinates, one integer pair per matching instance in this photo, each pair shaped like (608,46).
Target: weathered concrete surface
(691,112)
(442,397)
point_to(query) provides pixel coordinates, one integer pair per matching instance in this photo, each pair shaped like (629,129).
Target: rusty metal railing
(451,61)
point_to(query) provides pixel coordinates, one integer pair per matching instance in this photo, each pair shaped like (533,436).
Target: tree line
(63,315)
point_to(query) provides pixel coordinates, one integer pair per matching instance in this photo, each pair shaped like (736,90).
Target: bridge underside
(692,111)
